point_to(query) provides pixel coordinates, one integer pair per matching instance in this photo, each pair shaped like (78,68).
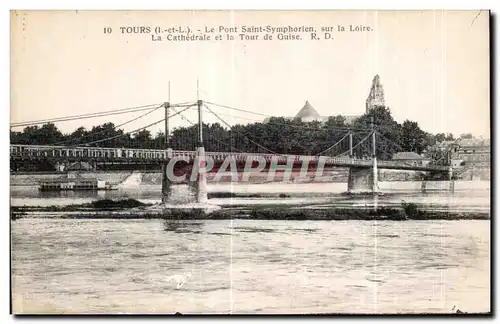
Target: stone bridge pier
(363,180)
(196,178)
(166,181)
(194,175)
(200,185)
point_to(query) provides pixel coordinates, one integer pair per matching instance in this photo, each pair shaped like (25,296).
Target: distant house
(411,158)
(472,152)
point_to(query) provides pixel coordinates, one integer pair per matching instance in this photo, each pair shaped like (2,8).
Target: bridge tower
(200,162)
(364,179)
(166,182)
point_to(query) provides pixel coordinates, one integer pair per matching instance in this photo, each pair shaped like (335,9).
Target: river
(252,266)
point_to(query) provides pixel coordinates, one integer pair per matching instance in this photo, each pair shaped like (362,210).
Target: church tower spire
(376,96)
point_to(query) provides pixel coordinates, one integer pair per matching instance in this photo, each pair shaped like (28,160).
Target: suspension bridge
(349,151)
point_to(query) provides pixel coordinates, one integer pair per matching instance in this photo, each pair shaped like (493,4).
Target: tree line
(276,135)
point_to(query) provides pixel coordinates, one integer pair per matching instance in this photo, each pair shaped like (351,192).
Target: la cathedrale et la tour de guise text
(219,33)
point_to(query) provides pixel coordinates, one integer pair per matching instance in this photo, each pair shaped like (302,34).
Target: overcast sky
(434,66)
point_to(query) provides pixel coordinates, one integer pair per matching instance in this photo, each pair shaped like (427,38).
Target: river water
(252,266)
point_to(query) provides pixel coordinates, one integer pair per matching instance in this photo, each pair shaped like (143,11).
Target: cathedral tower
(376,96)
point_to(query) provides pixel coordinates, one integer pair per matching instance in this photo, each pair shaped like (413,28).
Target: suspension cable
(239,117)
(447,150)
(332,146)
(89,115)
(218,141)
(355,146)
(291,125)
(237,109)
(84,116)
(114,128)
(134,131)
(263,147)
(117,136)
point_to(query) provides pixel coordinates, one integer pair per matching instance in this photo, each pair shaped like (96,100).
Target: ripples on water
(246,266)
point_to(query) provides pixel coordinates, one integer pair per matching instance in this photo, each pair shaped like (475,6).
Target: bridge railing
(88,152)
(107,152)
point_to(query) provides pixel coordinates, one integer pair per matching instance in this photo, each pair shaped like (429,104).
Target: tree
(439,137)
(466,136)
(78,136)
(184,138)
(159,141)
(34,135)
(16,137)
(413,139)
(104,135)
(388,132)
(335,121)
(142,139)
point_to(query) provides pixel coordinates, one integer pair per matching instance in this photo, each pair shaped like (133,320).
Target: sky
(433,65)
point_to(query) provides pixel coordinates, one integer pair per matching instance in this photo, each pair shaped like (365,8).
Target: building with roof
(411,158)
(466,152)
(474,152)
(308,114)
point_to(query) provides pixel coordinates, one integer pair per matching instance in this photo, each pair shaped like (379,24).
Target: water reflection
(180,226)
(250,266)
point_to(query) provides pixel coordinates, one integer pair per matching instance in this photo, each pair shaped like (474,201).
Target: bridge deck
(150,156)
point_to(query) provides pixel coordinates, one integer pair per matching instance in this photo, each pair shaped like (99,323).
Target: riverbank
(133,209)
(153,178)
